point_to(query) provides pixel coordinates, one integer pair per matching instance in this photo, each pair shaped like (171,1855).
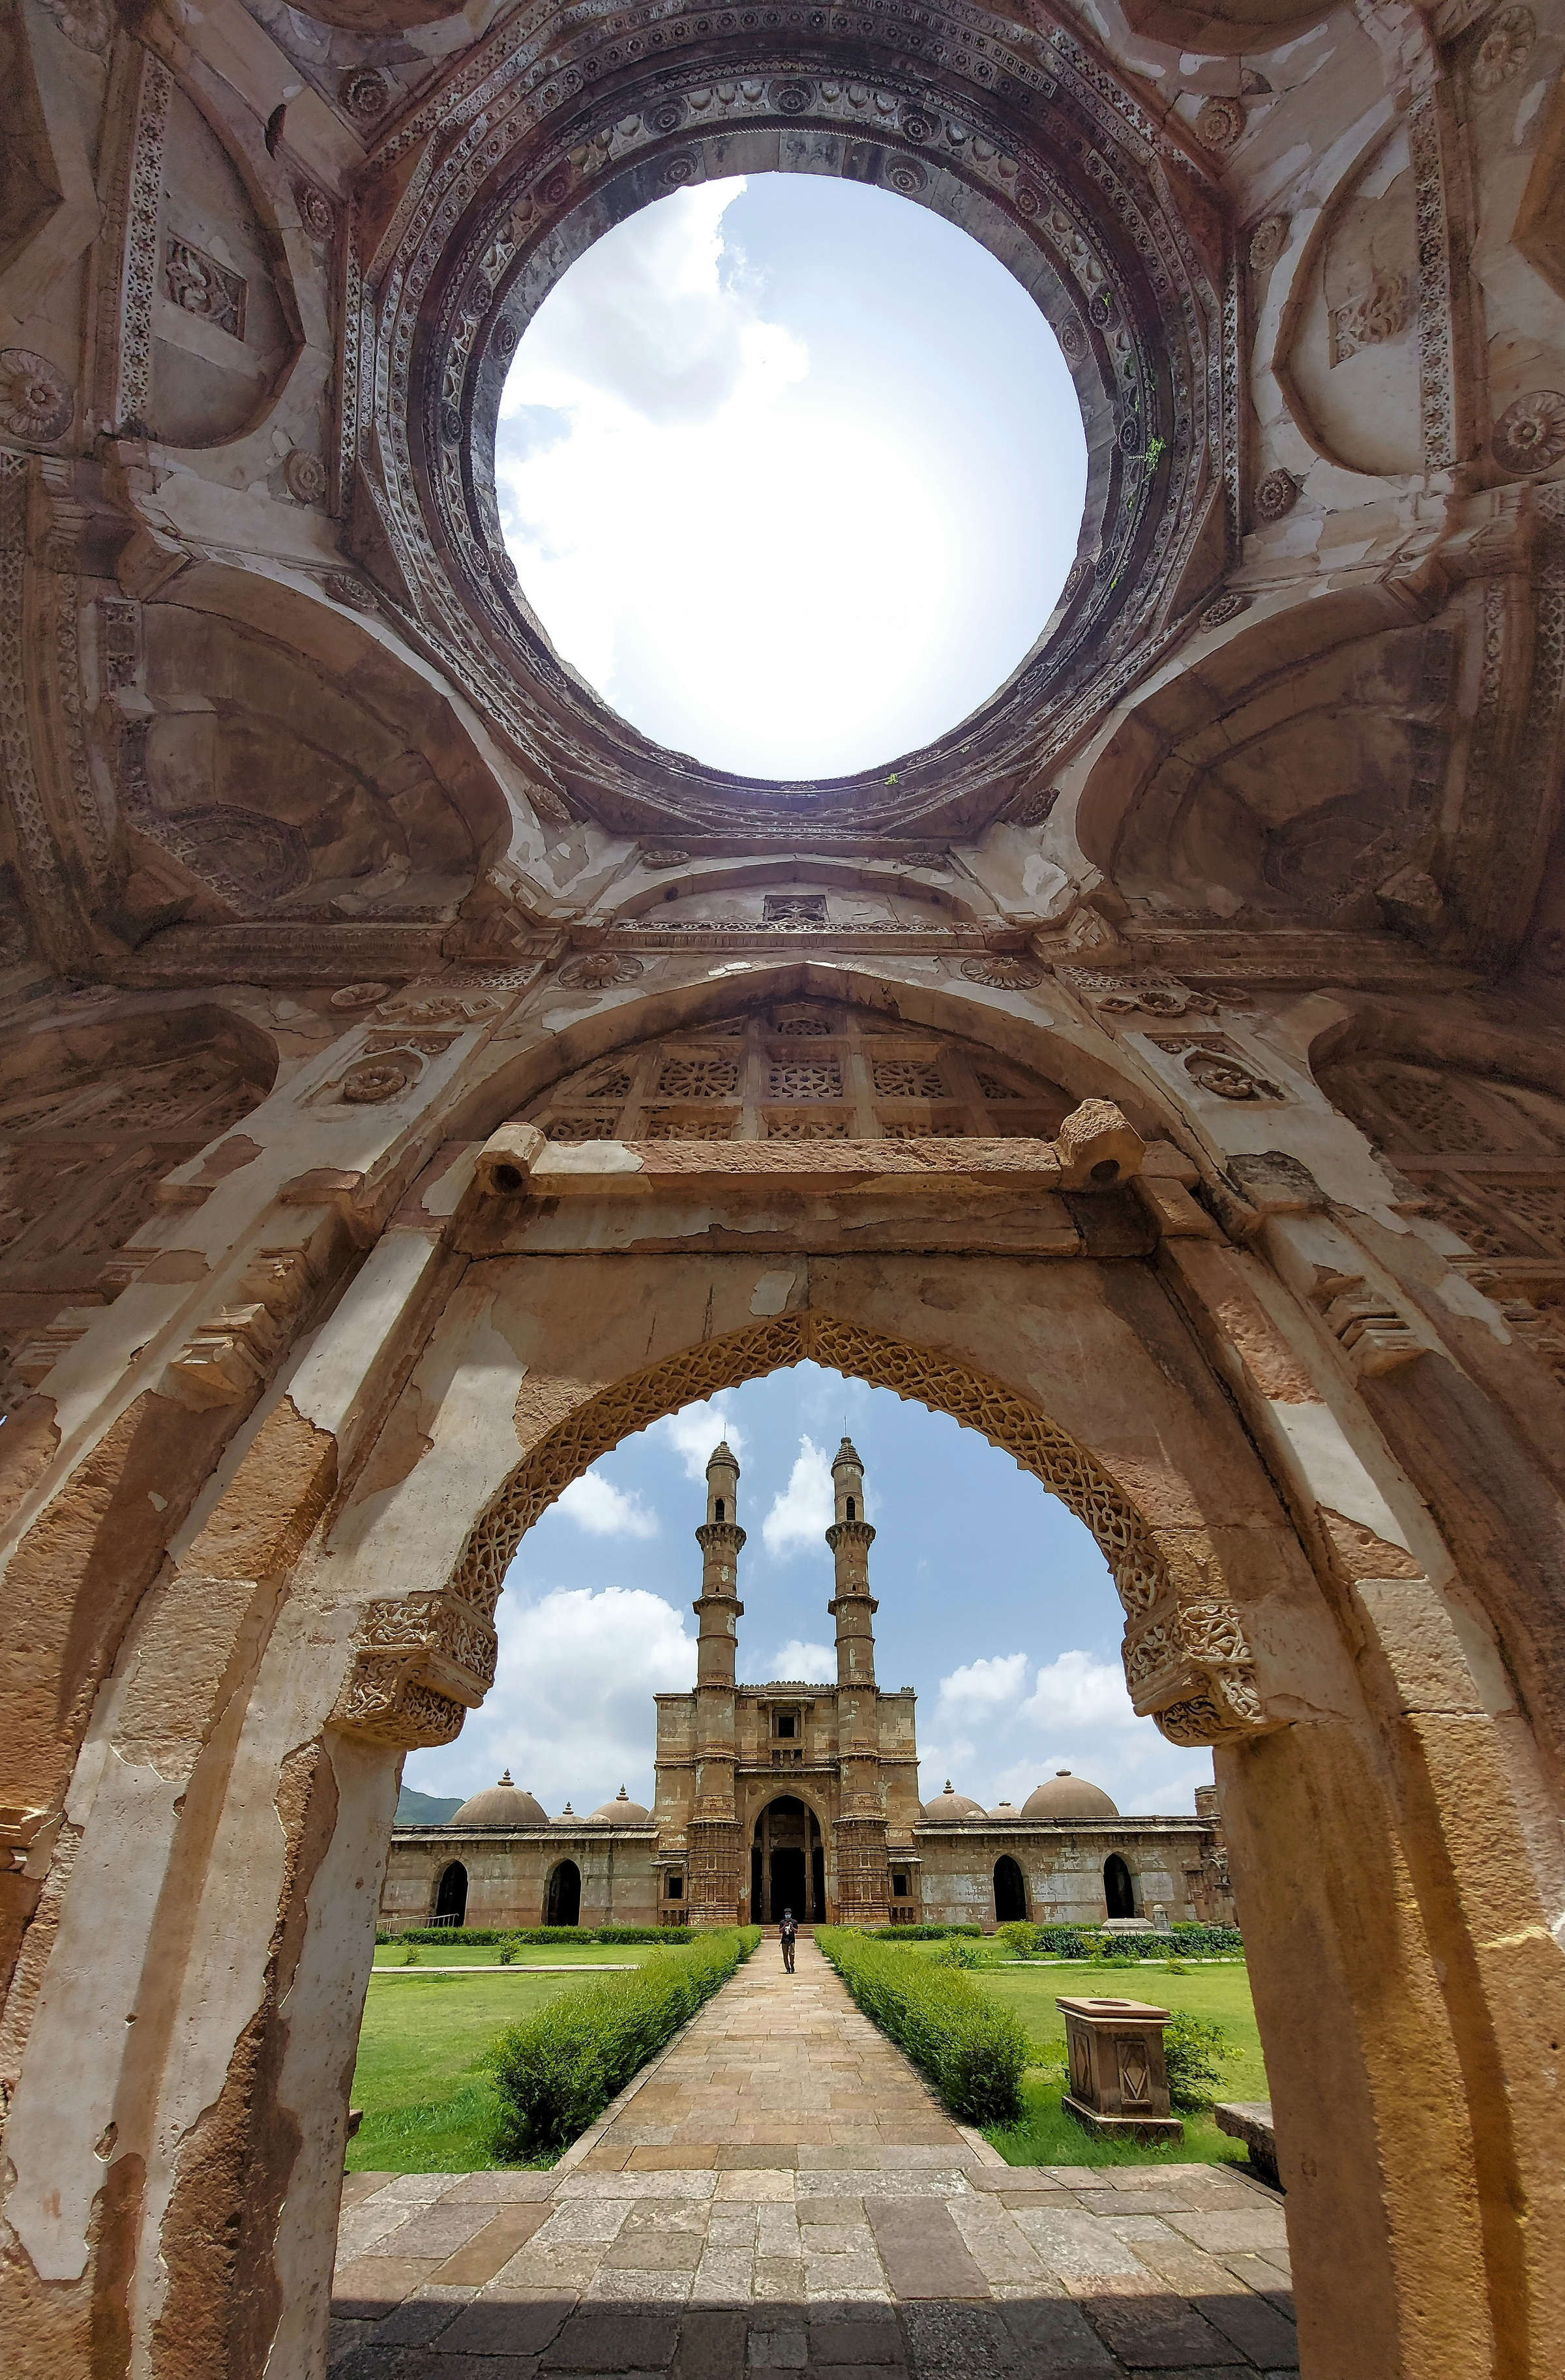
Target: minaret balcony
(720,1536)
(848,1532)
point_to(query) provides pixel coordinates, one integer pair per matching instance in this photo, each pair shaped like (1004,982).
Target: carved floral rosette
(1188,1666)
(423,1662)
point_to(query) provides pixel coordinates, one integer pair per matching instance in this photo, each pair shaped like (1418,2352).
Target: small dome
(1005,1810)
(1068,1797)
(504,1804)
(568,1817)
(949,1809)
(623,1812)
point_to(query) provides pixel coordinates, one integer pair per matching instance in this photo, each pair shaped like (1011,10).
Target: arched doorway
(1010,1891)
(1119,1892)
(451,1900)
(1144,1437)
(787,1862)
(564,1906)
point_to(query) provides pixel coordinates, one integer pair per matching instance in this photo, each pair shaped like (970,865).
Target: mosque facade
(802,1796)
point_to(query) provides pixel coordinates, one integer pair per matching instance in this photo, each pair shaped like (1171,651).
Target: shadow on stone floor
(1098,2336)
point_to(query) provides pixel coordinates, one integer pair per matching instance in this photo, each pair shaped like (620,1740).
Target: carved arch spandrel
(423,1659)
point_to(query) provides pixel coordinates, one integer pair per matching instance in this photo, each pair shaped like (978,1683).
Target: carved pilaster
(714,1864)
(864,1876)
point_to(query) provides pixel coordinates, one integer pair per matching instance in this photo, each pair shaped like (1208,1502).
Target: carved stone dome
(949,1809)
(621,1812)
(1068,1797)
(1005,1810)
(504,1804)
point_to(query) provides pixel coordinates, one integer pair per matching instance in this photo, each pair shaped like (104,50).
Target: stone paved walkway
(780,2195)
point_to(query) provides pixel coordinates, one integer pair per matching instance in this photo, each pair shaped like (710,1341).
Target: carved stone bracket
(423,1661)
(228,1356)
(1373,1334)
(1189,1667)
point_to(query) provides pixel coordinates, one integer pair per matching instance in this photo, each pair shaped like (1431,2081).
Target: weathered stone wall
(508,1875)
(1062,1869)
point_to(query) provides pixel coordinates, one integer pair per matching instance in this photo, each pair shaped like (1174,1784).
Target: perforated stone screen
(807,1069)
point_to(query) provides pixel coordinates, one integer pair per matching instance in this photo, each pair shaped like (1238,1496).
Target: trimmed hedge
(557,2072)
(1191,1941)
(919,1933)
(973,2050)
(479,1938)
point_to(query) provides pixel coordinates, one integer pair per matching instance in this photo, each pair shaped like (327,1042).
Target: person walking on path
(790,1934)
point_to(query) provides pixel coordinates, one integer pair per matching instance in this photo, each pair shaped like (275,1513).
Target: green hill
(424,1809)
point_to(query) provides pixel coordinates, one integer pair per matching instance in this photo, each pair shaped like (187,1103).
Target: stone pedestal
(1118,2080)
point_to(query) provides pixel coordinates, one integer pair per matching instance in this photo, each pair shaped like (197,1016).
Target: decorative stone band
(1188,1666)
(423,1661)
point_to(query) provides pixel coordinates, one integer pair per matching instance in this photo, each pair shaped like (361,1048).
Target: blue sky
(994,1603)
(792,470)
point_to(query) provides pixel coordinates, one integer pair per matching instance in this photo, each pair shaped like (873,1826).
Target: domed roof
(949,1809)
(566,1817)
(623,1812)
(504,1804)
(1068,1797)
(1005,1810)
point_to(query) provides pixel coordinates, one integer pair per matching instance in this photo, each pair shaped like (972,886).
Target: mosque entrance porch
(788,1863)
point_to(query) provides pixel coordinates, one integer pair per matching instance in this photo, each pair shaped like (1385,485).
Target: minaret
(854,1607)
(713,1833)
(862,1877)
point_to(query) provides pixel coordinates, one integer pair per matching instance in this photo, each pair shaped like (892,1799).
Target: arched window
(565,1895)
(451,1900)
(853,1507)
(1010,1891)
(722,1509)
(1117,1890)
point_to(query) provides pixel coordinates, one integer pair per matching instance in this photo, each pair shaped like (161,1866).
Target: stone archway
(1108,1378)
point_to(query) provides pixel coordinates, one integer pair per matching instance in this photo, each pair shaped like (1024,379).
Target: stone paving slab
(711,2229)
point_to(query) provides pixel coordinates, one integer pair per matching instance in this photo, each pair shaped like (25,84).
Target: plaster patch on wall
(772,1292)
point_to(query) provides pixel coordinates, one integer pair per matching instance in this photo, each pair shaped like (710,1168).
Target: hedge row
(557,2072)
(1083,1942)
(477,1937)
(919,1933)
(973,2050)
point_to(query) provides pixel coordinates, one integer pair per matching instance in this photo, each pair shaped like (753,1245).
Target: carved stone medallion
(1220,125)
(306,476)
(598,970)
(1530,434)
(1266,242)
(1227,607)
(1276,495)
(380,1078)
(364,94)
(36,399)
(344,589)
(1003,973)
(664,858)
(360,995)
(1504,50)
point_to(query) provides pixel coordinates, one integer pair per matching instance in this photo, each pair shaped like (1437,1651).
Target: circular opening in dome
(792,471)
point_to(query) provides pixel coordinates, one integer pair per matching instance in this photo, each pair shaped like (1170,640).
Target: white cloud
(801,1511)
(815,1663)
(662,391)
(597,1505)
(694,1431)
(1076,1692)
(571,1712)
(982,1686)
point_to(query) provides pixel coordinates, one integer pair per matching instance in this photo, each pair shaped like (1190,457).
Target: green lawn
(1047,2135)
(428,2102)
